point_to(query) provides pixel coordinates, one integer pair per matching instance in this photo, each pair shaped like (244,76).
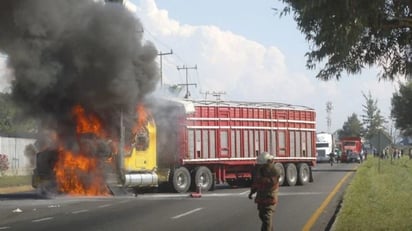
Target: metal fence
(14,148)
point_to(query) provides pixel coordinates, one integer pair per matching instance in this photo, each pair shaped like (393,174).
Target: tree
(4,164)
(352,127)
(402,108)
(372,119)
(352,34)
(13,120)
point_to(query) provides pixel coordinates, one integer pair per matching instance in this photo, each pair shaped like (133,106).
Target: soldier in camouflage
(265,183)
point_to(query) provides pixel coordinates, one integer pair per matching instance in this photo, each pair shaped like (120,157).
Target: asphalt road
(310,206)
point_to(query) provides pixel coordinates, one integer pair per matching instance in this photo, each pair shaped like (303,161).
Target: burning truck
(97,162)
(75,67)
(183,145)
(83,70)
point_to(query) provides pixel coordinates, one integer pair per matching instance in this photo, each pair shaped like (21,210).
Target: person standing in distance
(265,183)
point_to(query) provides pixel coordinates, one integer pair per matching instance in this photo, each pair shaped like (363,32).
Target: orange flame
(141,118)
(141,121)
(87,123)
(80,173)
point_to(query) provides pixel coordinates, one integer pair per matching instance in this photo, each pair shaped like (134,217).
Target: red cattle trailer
(190,144)
(223,138)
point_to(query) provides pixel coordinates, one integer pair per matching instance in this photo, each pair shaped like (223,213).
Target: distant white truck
(325,144)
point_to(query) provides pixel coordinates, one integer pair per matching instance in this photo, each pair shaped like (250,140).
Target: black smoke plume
(68,52)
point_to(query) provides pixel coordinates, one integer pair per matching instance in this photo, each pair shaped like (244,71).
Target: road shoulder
(15,189)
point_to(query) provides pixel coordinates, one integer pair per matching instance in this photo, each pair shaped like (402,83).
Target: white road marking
(104,206)
(222,194)
(187,213)
(245,192)
(5,227)
(80,211)
(164,195)
(237,194)
(300,193)
(43,219)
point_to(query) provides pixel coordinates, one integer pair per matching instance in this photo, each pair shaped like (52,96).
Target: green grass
(8,181)
(379,197)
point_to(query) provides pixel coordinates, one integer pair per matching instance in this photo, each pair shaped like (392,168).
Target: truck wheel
(291,174)
(303,173)
(181,180)
(203,178)
(214,183)
(231,182)
(281,170)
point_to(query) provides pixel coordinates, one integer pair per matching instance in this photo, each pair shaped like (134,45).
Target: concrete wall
(19,163)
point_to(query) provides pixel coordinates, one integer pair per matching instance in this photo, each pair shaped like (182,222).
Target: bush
(4,164)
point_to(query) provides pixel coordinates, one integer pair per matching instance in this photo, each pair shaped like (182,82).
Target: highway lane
(224,209)
(298,204)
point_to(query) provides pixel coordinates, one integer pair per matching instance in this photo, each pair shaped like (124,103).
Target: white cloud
(248,70)
(130,6)
(244,69)
(158,21)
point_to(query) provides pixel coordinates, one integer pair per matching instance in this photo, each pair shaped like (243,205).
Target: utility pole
(118,1)
(161,65)
(205,94)
(217,94)
(187,84)
(329,108)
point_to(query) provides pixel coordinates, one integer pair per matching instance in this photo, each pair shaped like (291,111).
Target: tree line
(366,125)
(349,35)
(344,36)
(13,120)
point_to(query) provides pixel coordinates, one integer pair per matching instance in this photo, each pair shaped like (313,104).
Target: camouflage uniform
(265,183)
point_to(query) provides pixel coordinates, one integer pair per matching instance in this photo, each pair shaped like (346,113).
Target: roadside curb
(315,216)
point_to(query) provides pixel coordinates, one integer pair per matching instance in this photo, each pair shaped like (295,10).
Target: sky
(244,50)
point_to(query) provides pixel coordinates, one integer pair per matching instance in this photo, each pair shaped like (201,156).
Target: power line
(187,84)
(216,94)
(161,65)
(329,108)
(147,32)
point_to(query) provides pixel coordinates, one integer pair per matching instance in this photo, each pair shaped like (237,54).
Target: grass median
(11,181)
(13,184)
(379,197)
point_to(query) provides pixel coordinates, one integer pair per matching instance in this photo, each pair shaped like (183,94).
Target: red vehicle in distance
(351,149)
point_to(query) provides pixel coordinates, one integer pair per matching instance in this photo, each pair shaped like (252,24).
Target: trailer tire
(214,182)
(239,183)
(291,174)
(203,177)
(181,180)
(231,182)
(303,173)
(281,170)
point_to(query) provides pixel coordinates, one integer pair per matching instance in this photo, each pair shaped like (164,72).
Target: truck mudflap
(118,190)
